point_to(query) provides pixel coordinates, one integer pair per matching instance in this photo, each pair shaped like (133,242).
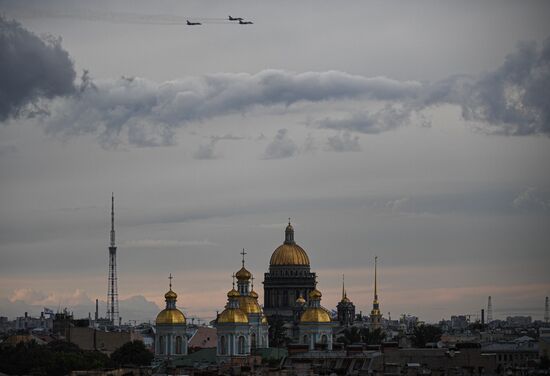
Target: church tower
(288,279)
(345,308)
(315,326)
(375,315)
(171,325)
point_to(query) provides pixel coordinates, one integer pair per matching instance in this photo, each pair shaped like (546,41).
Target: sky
(412,131)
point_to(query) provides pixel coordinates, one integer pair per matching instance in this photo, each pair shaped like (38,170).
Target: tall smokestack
(96,310)
(482,316)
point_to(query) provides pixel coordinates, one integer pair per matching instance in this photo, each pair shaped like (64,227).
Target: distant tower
(546,314)
(112,292)
(489,310)
(375,315)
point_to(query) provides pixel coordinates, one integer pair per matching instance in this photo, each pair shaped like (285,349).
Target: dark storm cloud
(513,99)
(30,68)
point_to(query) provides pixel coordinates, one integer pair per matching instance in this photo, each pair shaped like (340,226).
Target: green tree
(277,333)
(423,334)
(373,337)
(132,353)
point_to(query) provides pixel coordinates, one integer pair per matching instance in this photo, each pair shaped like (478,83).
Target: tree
(351,335)
(373,337)
(277,333)
(132,353)
(423,334)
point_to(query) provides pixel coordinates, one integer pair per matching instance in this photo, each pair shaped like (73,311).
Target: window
(161,344)
(223,345)
(241,345)
(179,344)
(253,340)
(323,339)
(305,339)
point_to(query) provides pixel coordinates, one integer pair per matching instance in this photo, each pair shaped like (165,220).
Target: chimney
(482,316)
(96,310)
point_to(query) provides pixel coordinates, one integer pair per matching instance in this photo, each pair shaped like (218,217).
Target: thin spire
(170,278)
(112,219)
(243,253)
(375,279)
(343,288)
(252,279)
(233,276)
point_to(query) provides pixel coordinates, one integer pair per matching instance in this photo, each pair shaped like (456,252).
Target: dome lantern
(289,234)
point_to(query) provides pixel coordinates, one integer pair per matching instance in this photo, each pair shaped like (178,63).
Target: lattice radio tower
(112,292)
(489,310)
(546,314)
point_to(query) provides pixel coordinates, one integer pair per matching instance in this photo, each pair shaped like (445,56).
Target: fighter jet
(241,22)
(193,23)
(234,18)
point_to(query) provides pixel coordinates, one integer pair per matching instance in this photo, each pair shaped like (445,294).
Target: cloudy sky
(414,131)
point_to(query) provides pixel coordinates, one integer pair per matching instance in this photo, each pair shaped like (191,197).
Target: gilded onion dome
(249,304)
(315,294)
(232,314)
(314,315)
(289,253)
(301,300)
(254,294)
(170,315)
(243,274)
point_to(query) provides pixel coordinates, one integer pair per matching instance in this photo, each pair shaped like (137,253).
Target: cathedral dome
(171,295)
(170,316)
(289,253)
(315,315)
(315,294)
(233,293)
(232,316)
(254,294)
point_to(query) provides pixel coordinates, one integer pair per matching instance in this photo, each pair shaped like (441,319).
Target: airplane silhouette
(193,23)
(234,18)
(241,22)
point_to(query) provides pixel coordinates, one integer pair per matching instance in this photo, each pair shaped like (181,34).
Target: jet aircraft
(193,23)
(241,22)
(234,18)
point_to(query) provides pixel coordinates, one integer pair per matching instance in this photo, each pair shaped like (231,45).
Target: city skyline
(424,146)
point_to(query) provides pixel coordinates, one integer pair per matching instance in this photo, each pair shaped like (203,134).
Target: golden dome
(233,293)
(171,295)
(248,304)
(233,316)
(315,294)
(170,316)
(254,294)
(289,254)
(243,274)
(315,315)
(301,300)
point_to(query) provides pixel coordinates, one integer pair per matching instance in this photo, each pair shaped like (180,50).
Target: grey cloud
(515,96)
(281,146)
(30,68)
(343,142)
(531,199)
(146,112)
(206,151)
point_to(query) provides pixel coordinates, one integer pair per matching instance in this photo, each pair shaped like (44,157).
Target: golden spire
(375,279)
(343,288)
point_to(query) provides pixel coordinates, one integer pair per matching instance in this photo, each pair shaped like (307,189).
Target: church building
(171,325)
(288,279)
